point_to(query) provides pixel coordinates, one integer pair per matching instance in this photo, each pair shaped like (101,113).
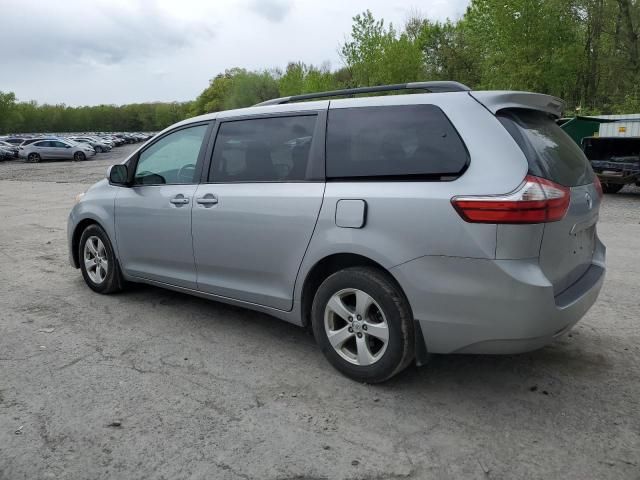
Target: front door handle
(208,200)
(179,200)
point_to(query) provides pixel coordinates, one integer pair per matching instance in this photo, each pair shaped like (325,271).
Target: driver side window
(172,159)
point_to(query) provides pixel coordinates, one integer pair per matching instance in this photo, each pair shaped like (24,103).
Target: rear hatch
(567,245)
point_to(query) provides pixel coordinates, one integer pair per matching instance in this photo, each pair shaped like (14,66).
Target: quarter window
(551,153)
(263,149)
(407,141)
(172,159)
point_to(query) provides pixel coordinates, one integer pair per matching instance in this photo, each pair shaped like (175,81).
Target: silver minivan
(393,226)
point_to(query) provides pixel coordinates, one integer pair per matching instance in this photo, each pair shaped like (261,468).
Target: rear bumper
(468,305)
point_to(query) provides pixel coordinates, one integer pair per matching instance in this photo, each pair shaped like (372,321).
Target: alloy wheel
(96,261)
(356,327)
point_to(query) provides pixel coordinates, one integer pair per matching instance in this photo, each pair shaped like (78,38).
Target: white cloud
(121,51)
(272,10)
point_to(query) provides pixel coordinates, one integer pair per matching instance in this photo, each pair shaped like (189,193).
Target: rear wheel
(363,324)
(611,187)
(79,156)
(34,157)
(98,263)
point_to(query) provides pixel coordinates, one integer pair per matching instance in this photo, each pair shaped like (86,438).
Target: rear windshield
(394,142)
(551,153)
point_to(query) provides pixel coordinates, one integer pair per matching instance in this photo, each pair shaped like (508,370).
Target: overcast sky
(88,52)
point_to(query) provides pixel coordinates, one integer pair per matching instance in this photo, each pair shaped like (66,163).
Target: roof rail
(433,87)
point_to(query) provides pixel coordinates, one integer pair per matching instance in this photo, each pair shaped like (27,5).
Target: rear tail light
(536,200)
(598,186)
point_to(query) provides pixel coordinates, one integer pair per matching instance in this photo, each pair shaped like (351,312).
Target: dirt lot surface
(155,384)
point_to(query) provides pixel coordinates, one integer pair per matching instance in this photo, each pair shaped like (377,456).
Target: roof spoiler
(497,100)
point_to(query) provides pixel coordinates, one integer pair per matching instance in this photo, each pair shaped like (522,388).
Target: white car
(56,149)
(98,145)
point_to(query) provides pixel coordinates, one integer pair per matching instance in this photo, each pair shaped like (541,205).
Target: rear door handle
(208,200)
(179,200)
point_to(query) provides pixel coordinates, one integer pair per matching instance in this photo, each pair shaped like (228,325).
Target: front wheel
(79,156)
(98,262)
(363,324)
(34,157)
(98,149)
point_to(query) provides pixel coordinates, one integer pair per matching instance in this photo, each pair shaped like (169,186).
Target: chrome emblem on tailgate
(589,200)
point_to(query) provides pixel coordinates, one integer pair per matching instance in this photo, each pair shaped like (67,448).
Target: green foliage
(526,44)
(584,51)
(32,117)
(236,88)
(8,114)
(301,78)
(377,55)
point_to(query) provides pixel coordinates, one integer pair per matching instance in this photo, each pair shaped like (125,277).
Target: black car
(29,141)
(15,140)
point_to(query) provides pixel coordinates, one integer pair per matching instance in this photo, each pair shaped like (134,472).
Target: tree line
(584,51)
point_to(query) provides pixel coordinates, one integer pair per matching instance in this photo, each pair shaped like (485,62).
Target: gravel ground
(156,384)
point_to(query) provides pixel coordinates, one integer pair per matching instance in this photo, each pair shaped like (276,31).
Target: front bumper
(71,226)
(466,305)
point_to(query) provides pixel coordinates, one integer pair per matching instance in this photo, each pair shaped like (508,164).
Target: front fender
(97,206)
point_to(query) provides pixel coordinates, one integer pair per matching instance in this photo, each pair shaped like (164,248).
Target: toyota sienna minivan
(395,226)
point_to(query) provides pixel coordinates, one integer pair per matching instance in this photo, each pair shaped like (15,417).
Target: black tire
(98,149)
(79,157)
(611,187)
(34,157)
(386,294)
(113,281)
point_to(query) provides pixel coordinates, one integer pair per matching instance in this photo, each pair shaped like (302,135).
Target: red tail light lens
(536,200)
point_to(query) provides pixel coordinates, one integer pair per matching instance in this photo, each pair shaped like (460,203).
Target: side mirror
(118,174)
(67,146)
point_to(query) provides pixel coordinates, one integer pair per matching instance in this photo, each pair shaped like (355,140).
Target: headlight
(79,197)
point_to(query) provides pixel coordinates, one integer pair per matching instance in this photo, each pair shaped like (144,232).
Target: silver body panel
(250,245)
(477,288)
(153,236)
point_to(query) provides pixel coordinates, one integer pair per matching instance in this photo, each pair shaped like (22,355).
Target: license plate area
(584,242)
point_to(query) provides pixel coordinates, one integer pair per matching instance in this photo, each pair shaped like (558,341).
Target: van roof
(492,100)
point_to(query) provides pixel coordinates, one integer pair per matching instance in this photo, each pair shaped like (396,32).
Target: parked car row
(8,150)
(78,147)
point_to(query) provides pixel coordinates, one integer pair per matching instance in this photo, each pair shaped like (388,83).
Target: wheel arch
(327,266)
(330,264)
(77,233)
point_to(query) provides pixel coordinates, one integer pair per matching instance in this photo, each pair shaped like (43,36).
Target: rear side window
(404,142)
(551,153)
(263,149)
